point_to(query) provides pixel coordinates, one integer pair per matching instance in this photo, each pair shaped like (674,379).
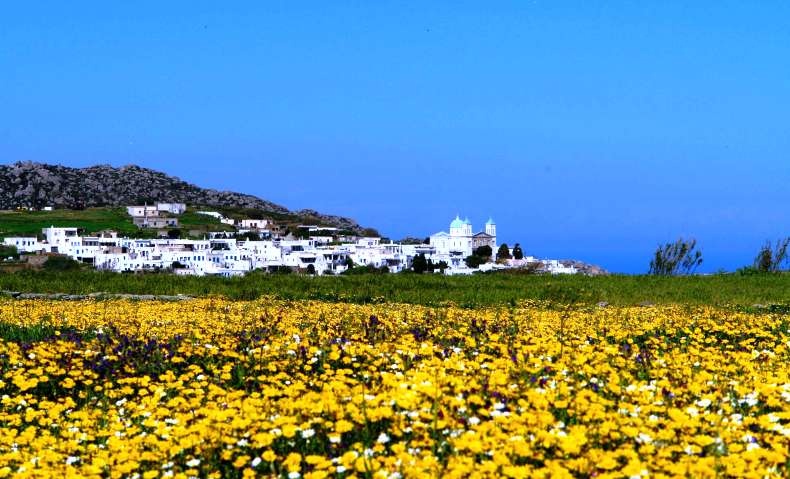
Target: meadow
(724,290)
(303,388)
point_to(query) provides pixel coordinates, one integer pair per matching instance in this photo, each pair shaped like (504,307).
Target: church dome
(457,223)
(490,221)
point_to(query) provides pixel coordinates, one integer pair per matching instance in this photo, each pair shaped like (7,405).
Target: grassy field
(473,291)
(30,223)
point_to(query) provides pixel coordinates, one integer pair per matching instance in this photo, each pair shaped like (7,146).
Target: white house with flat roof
(172,208)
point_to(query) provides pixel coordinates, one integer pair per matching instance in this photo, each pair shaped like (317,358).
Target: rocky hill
(585,268)
(28,184)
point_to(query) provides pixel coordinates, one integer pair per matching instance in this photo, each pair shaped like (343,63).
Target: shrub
(473,261)
(8,252)
(419,264)
(484,251)
(680,257)
(770,258)
(61,263)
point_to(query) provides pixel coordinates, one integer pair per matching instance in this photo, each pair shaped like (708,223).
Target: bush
(474,261)
(770,258)
(8,252)
(484,251)
(419,264)
(369,269)
(61,263)
(680,257)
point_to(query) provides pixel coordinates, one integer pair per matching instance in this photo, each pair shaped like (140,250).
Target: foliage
(770,258)
(503,252)
(8,252)
(680,257)
(517,252)
(473,261)
(367,269)
(483,251)
(441,266)
(61,263)
(419,264)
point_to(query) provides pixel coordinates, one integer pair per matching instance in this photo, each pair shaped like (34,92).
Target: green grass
(478,290)
(30,223)
(92,220)
(193,221)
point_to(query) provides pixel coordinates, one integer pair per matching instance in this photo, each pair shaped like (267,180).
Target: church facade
(460,242)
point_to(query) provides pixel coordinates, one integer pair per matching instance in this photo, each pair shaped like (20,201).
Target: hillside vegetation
(92,220)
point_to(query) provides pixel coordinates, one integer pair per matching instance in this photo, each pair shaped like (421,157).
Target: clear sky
(588,130)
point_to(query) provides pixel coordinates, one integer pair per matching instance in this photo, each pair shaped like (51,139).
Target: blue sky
(591,130)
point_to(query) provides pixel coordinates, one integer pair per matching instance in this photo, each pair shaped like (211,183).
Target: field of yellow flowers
(217,388)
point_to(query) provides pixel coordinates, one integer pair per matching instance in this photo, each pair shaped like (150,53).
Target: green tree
(503,252)
(8,252)
(419,264)
(60,263)
(771,257)
(517,253)
(473,261)
(680,257)
(483,251)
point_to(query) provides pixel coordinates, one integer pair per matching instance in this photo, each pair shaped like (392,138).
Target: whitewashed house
(60,239)
(253,224)
(145,210)
(172,208)
(155,222)
(25,244)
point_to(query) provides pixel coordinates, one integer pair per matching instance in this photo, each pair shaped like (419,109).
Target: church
(460,242)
